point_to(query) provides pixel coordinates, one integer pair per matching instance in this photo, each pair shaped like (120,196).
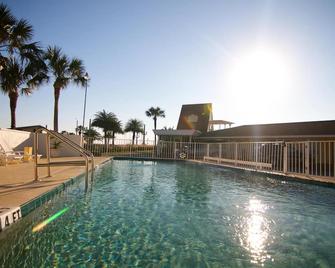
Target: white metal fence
(309,158)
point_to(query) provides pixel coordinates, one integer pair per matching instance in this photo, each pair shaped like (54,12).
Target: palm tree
(80,129)
(135,126)
(154,113)
(17,78)
(116,127)
(108,122)
(21,66)
(64,71)
(91,135)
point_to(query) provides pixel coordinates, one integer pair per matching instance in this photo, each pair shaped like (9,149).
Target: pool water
(168,214)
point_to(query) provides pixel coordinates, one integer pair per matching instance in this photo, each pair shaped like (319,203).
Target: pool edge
(24,209)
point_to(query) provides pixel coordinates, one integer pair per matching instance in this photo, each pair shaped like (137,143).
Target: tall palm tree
(154,113)
(17,78)
(108,122)
(135,126)
(21,65)
(64,71)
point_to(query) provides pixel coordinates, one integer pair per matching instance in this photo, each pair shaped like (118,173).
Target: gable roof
(312,128)
(195,116)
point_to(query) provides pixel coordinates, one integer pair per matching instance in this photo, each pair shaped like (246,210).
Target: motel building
(302,149)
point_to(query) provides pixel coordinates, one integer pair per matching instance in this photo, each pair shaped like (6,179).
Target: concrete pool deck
(17,185)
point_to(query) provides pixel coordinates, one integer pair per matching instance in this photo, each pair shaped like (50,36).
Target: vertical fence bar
(324,158)
(329,160)
(307,158)
(285,159)
(235,155)
(320,159)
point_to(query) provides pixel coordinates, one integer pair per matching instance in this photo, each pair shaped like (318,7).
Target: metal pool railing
(302,158)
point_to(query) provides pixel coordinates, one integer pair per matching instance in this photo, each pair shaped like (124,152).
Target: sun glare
(258,76)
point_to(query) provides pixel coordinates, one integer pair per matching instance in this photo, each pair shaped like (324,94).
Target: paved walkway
(17,185)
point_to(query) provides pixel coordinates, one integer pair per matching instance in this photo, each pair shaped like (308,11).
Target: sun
(258,76)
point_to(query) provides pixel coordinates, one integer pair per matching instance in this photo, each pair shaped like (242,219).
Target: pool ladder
(87,155)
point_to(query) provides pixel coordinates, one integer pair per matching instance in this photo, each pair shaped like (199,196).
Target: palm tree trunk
(133,137)
(105,137)
(56,94)
(155,126)
(113,137)
(13,96)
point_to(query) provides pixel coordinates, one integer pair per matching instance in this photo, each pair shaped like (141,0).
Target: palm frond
(77,71)
(6,21)
(21,32)
(134,125)
(26,91)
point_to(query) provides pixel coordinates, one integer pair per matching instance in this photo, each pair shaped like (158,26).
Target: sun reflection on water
(254,231)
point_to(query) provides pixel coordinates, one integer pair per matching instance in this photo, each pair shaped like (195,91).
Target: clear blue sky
(167,53)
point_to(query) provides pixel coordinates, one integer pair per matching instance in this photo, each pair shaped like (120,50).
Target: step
(63,163)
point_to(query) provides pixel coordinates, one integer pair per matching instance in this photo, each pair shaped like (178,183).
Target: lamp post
(86,77)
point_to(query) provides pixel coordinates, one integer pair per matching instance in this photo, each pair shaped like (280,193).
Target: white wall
(16,140)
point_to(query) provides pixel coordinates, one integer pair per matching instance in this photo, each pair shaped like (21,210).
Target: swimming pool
(168,214)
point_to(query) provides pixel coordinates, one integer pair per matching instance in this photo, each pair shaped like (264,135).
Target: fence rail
(305,158)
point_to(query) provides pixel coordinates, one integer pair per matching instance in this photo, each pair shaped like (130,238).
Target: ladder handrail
(60,136)
(82,151)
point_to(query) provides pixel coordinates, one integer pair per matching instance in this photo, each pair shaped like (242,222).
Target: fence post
(208,149)
(235,156)
(220,150)
(306,158)
(194,150)
(256,145)
(285,159)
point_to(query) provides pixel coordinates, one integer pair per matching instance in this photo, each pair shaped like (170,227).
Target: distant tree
(64,132)
(21,64)
(80,129)
(154,113)
(168,128)
(116,128)
(90,135)
(63,70)
(108,122)
(135,126)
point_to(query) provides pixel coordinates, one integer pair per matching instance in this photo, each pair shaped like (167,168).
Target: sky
(255,61)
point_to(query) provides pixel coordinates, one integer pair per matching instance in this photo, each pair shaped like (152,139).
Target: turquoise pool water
(166,214)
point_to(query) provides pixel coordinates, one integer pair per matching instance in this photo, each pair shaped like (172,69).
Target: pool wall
(9,216)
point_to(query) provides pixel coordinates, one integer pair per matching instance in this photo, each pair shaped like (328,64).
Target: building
(194,121)
(196,124)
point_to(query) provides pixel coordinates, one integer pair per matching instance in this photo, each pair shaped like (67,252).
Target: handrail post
(92,169)
(86,175)
(47,148)
(35,158)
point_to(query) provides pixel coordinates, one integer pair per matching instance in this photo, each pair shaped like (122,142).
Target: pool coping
(13,215)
